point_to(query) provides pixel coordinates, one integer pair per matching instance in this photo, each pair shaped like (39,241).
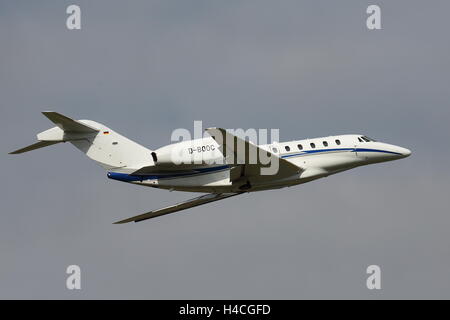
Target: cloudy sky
(309,68)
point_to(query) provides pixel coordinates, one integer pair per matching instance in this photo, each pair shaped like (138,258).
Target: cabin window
(313,145)
(287,148)
(300,147)
(360,140)
(325,144)
(338,142)
(275,150)
(365,139)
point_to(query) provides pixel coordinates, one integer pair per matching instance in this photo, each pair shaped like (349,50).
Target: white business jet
(221,164)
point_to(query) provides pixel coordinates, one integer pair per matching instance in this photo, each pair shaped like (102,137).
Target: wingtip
(123,221)
(48,114)
(214,130)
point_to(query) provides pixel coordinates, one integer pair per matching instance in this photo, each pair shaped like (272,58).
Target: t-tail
(103,145)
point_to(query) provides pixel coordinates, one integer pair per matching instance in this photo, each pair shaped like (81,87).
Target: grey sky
(310,68)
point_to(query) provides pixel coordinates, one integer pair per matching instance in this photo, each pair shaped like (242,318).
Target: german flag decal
(105,132)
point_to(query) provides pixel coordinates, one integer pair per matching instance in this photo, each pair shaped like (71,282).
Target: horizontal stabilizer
(37,145)
(211,197)
(66,129)
(67,124)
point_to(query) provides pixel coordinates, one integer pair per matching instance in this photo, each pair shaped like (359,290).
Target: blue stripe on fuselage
(130,178)
(376,150)
(338,149)
(316,151)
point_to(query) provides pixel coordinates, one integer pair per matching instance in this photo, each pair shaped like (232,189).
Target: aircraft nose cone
(405,152)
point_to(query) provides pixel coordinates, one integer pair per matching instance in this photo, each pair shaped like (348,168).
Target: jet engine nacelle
(188,153)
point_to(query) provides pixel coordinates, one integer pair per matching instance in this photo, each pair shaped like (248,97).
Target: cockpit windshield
(367,139)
